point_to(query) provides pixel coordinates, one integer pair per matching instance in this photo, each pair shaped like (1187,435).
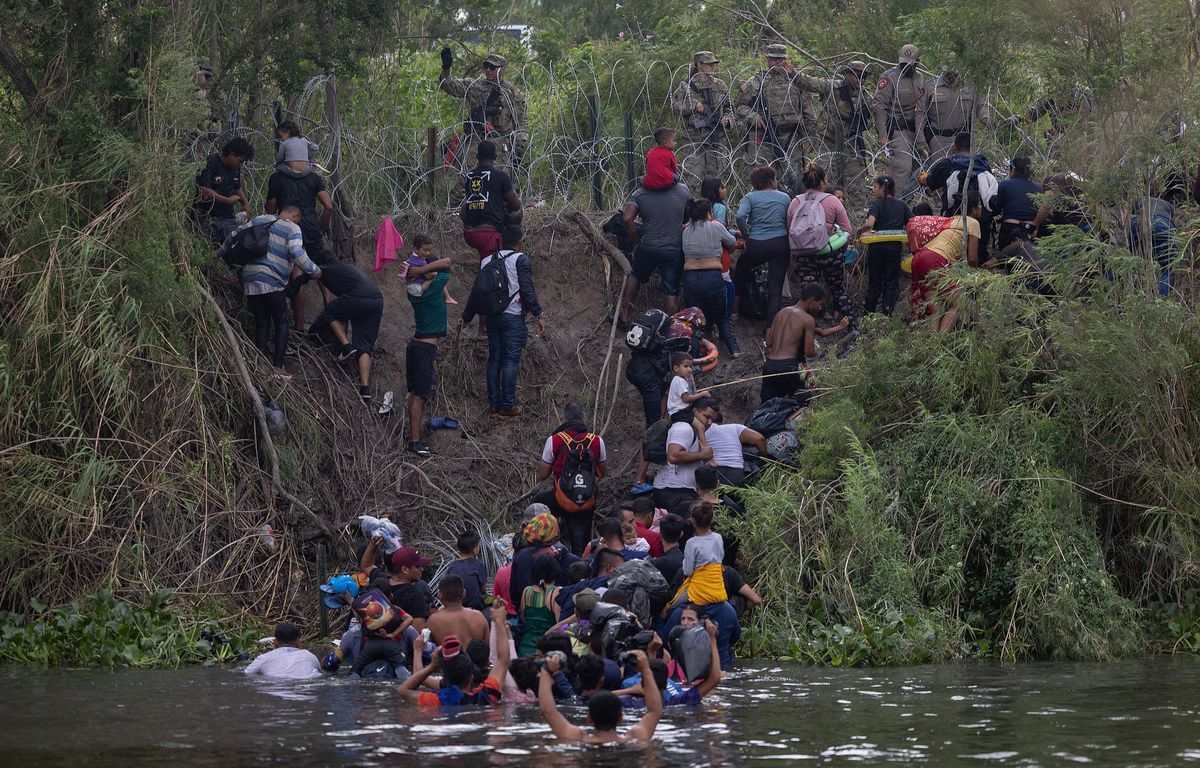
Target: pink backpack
(806,231)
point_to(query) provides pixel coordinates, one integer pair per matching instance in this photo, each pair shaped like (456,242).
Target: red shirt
(500,588)
(661,168)
(652,538)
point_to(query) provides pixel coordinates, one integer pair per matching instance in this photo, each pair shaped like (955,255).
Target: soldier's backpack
(645,333)
(248,244)
(491,294)
(807,232)
(575,490)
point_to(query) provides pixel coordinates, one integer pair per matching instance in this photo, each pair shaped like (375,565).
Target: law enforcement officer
(495,111)
(847,122)
(773,106)
(952,106)
(703,103)
(900,115)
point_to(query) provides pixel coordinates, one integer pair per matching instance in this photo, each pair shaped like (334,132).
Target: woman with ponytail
(883,259)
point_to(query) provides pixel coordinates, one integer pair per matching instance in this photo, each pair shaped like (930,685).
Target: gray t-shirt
(704,239)
(679,475)
(661,211)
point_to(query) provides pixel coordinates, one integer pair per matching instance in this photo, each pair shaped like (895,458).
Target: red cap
(407,556)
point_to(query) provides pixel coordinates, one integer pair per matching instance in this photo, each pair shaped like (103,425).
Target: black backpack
(645,333)
(575,490)
(492,292)
(615,229)
(755,295)
(772,416)
(247,244)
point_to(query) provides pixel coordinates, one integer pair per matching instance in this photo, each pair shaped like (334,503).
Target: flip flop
(640,488)
(443,422)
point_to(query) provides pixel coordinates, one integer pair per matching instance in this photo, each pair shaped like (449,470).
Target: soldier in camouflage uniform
(779,121)
(846,123)
(703,102)
(495,111)
(900,115)
(951,107)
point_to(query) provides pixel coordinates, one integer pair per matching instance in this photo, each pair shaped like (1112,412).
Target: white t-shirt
(679,475)
(679,388)
(295,663)
(726,443)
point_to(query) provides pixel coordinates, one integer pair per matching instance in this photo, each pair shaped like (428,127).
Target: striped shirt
(285,248)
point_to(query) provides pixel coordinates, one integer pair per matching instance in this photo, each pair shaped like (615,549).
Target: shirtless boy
(452,618)
(791,340)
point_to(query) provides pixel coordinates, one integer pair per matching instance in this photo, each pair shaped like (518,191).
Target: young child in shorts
(417,274)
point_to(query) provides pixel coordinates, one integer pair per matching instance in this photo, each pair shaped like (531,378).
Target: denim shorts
(668,262)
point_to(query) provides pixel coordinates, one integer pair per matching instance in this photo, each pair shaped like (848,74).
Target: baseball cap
(909,54)
(777,51)
(585,600)
(406,557)
(495,60)
(331,591)
(704,57)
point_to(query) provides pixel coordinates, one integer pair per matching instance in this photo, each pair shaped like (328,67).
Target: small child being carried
(683,388)
(662,170)
(418,275)
(703,554)
(293,147)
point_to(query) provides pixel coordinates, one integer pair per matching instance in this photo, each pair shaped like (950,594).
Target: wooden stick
(598,239)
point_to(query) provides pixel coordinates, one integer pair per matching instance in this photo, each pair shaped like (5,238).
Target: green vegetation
(103,631)
(1025,488)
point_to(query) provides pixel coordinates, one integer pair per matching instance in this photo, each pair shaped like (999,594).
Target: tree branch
(19,75)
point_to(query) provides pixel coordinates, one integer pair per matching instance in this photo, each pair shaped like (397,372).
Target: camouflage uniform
(704,151)
(949,111)
(503,121)
(900,115)
(787,139)
(845,126)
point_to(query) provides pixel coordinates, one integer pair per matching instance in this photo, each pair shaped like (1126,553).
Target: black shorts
(364,316)
(420,368)
(315,248)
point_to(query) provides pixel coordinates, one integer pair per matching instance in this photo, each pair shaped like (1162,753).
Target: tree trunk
(19,76)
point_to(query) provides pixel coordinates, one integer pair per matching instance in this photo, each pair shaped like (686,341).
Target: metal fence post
(431,158)
(630,180)
(597,177)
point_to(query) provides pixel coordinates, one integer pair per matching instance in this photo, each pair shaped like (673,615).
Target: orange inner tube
(709,360)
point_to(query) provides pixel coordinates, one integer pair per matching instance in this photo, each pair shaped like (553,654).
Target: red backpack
(575,490)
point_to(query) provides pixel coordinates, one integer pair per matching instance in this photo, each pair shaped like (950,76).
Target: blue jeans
(507,335)
(729,629)
(705,288)
(668,262)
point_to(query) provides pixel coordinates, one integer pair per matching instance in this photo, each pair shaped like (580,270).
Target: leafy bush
(104,631)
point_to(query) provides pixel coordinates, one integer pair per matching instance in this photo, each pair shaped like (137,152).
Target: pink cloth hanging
(387,242)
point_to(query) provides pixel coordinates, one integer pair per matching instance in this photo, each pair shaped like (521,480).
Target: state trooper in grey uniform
(900,115)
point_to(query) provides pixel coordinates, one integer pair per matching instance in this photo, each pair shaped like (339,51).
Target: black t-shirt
(669,564)
(344,279)
(285,188)
(415,599)
(889,213)
(223,180)
(1014,199)
(484,203)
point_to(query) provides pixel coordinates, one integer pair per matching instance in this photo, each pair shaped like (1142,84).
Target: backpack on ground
(492,292)
(807,230)
(645,333)
(772,416)
(922,229)
(756,295)
(575,490)
(248,244)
